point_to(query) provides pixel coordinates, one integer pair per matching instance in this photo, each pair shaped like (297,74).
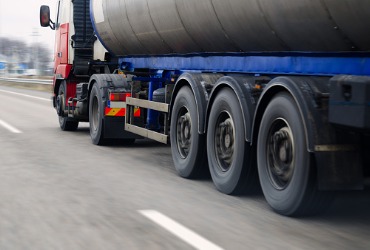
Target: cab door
(61,36)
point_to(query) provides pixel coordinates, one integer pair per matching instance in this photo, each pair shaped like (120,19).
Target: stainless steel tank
(157,27)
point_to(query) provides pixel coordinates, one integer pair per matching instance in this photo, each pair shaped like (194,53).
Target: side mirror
(45,20)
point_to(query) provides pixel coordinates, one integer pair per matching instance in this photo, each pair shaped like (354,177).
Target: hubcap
(183,132)
(280,154)
(224,141)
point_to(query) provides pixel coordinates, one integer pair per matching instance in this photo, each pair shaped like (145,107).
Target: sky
(19,19)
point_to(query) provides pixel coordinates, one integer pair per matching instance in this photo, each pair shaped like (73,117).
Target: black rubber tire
(188,148)
(159,95)
(289,185)
(229,157)
(96,111)
(65,123)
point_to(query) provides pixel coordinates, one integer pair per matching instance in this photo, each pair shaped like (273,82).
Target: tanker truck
(259,93)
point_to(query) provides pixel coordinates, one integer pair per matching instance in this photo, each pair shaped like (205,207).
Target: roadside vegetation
(19,58)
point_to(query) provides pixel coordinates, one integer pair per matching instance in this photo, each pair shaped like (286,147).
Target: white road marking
(10,127)
(179,230)
(29,96)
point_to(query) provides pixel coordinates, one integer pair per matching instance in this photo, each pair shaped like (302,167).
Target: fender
(307,93)
(108,81)
(242,87)
(62,72)
(70,89)
(200,85)
(332,151)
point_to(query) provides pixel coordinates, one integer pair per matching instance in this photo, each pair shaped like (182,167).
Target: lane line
(10,127)
(30,96)
(179,230)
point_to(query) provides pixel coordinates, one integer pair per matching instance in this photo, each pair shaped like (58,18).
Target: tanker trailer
(257,92)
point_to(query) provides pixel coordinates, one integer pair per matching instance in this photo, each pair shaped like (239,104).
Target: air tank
(161,27)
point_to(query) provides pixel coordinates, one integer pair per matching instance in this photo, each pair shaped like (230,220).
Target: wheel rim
(95,113)
(224,141)
(280,154)
(183,132)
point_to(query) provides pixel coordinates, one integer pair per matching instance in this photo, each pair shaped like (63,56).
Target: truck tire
(159,95)
(228,152)
(187,145)
(96,109)
(286,169)
(66,123)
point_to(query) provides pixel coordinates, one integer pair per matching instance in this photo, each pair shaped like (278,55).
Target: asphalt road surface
(59,191)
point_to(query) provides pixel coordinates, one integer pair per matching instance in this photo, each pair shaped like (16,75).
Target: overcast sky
(20,19)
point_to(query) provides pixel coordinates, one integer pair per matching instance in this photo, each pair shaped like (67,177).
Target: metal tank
(158,27)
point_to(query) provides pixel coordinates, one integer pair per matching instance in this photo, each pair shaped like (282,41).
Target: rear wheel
(228,152)
(96,110)
(187,145)
(66,123)
(286,170)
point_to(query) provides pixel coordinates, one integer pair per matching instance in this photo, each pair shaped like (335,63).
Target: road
(58,191)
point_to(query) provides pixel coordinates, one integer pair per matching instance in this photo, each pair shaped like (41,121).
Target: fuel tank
(160,27)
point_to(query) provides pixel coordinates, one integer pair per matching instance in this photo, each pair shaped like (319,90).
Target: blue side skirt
(325,64)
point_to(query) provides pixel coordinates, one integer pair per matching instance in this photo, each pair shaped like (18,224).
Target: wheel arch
(105,81)
(56,87)
(301,90)
(101,82)
(199,84)
(242,88)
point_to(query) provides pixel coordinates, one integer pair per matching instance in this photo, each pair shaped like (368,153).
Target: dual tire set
(95,113)
(284,168)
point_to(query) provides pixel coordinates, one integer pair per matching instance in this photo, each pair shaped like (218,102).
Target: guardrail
(27,80)
(36,84)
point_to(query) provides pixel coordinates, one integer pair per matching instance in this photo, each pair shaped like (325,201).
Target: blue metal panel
(260,63)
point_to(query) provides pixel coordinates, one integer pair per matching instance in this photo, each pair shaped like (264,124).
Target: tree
(34,56)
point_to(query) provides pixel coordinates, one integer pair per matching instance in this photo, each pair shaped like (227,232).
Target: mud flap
(114,128)
(343,167)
